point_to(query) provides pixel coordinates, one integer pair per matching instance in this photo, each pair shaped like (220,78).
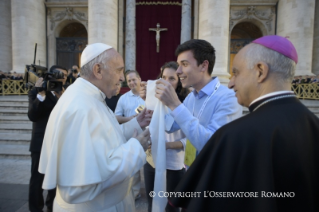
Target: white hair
(102,59)
(278,64)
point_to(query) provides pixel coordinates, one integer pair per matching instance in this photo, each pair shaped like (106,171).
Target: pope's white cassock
(87,155)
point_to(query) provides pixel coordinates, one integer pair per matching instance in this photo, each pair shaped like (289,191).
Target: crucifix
(157,30)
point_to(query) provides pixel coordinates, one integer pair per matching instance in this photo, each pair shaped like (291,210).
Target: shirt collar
(92,86)
(207,89)
(132,94)
(271,94)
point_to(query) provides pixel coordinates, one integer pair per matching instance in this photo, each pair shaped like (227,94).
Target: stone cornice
(253,4)
(65,4)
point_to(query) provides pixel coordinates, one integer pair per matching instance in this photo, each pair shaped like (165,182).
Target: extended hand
(143,138)
(144,118)
(167,94)
(143,90)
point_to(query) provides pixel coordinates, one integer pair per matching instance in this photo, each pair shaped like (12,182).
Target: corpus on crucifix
(157,30)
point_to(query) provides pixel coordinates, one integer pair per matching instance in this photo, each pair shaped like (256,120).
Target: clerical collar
(267,97)
(92,86)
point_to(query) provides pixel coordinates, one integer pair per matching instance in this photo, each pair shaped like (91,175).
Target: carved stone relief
(263,14)
(68,14)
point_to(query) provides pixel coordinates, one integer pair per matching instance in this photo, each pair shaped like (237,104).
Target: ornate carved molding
(251,12)
(68,14)
(70,44)
(159,3)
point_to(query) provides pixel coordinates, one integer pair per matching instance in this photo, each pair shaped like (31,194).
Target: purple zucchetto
(279,44)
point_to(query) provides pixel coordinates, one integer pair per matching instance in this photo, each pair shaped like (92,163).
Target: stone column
(103,24)
(130,36)
(196,18)
(315,58)
(216,32)
(28,28)
(186,20)
(120,43)
(296,20)
(5,36)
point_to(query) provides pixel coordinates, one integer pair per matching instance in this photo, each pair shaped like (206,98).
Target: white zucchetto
(92,51)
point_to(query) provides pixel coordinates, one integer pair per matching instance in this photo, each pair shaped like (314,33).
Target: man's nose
(231,83)
(122,77)
(179,70)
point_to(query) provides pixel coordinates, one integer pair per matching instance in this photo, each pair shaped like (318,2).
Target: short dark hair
(202,50)
(127,72)
(57,67)
(181,92)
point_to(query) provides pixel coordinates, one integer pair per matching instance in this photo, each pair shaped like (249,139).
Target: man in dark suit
(41,103)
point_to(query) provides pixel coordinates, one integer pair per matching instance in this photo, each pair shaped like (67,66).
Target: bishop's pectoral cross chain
(157,30)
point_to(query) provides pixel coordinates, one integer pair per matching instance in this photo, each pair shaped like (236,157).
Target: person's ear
(204,65)
(262,71)
(97,71)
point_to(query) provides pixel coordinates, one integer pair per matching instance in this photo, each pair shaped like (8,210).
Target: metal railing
(17,87)
(13,87)
(306,91)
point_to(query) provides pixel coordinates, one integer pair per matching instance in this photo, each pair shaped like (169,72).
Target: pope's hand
(143,90)
(144,118)
(143,138)
(167,94)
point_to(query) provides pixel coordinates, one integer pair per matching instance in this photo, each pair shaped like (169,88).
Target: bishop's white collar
(270,94)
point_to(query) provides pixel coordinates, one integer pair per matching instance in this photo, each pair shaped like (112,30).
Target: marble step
(16,128)
(16,98)
(13,107)
(15,119)
(13,104)
(14,151)
(15,138)
(13,112)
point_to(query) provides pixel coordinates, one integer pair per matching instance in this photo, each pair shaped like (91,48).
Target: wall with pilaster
(5,36)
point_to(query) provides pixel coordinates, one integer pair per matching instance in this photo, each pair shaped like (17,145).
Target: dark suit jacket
(39,113)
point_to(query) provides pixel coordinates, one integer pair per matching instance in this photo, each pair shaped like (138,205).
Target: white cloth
(127,104)
(175,157)
(126,107)
(85,146)
(157,131)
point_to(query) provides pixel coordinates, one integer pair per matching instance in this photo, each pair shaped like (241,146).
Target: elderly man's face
(113,76)
(243,80)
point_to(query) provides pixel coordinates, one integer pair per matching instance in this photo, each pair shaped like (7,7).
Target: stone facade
(296,21)
(5,40)
(27,22)
(28,28)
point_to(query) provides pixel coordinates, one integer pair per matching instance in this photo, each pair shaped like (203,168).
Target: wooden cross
(157,30)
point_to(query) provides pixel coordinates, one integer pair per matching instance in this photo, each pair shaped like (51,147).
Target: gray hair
(278,64)
(102,59)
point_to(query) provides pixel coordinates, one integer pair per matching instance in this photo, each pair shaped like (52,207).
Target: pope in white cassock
(86,154)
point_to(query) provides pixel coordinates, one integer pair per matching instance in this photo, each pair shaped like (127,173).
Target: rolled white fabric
(157,131)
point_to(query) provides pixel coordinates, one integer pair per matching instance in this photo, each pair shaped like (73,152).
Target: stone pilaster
(216,32)
(120,28)
(315,58)
(28,28)
(130,36)
(5,36)
(186,20)
(296,20)
(103,24)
